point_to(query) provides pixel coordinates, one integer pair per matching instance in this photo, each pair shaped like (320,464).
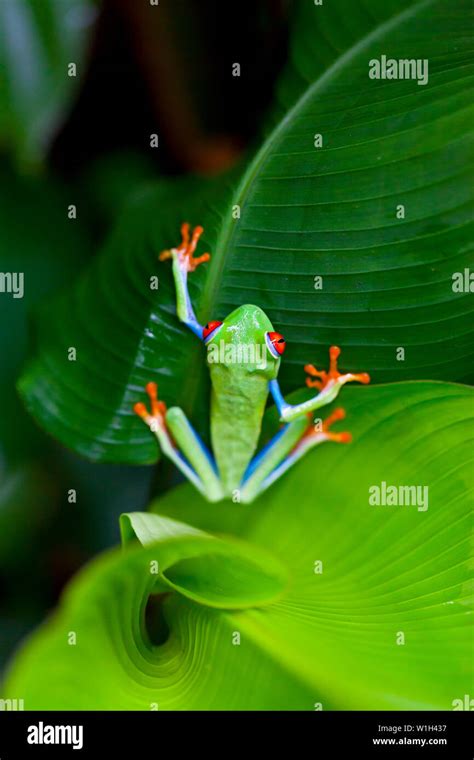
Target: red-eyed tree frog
(243,355)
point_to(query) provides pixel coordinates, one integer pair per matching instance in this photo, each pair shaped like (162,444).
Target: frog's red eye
(276,343)
(209,328)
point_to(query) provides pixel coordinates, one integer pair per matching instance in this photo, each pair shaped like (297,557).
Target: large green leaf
(120,336)
(203,568)
(387,294)
(38,41)
(337,28)
(389,574)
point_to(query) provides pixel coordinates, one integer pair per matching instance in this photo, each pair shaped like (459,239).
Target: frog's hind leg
(285,449)
(180,443)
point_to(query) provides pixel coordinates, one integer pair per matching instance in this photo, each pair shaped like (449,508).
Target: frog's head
(245,339)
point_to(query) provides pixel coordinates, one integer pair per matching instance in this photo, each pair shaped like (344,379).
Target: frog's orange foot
(185,251)
(323,432)
(156,416)
(338,414)
(333,375)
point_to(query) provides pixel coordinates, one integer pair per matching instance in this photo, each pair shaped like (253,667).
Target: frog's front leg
(184,262)
(329,384)
(291,443)
(179,442)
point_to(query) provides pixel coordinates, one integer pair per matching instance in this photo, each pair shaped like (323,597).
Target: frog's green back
(240,366)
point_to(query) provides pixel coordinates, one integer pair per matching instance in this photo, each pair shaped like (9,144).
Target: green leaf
(38,40)
(111,180)
(34,234)
(203,568)
(337,28)
(304,213)
(332,637)
(121,339)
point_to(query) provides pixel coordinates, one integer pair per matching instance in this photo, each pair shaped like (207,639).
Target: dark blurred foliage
(167,73)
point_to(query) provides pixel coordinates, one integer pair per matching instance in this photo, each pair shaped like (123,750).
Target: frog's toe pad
(332,375)
(322,432)
(344,437)
(185,251)
(156,415)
